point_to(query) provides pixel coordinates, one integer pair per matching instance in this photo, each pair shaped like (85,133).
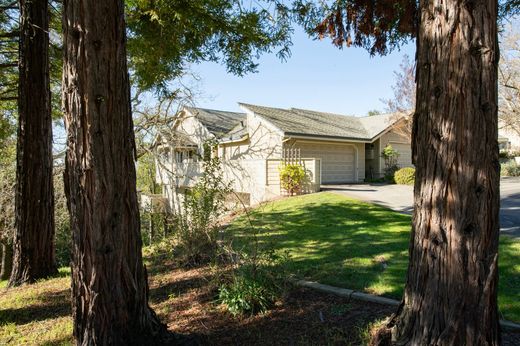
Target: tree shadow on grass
(52,305)
(354,245)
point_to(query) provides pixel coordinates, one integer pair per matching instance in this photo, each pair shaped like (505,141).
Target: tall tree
(33,239)
(109,281)
(451,291)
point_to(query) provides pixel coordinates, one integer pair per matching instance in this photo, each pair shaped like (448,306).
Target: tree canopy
(164,36)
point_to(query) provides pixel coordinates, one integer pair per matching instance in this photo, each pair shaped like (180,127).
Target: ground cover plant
(352,244)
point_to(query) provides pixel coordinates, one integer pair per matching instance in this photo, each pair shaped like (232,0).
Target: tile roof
(217,122)
(304,122)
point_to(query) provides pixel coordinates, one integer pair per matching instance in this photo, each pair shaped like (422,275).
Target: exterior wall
(243,163)
(359,153)
(312,169)
(512,137)
(392,138)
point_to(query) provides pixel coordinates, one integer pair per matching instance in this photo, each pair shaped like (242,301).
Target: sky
(317,76)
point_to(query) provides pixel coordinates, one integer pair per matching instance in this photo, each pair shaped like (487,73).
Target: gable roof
(217,122)
(304,122)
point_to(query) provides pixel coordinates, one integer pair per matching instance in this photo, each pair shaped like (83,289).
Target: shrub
(390,155)
(405,176)
(292,177)
(199,222)
(510,169)
(248,295)
(504,154)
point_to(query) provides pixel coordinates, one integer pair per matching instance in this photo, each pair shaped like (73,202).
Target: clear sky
(317,76)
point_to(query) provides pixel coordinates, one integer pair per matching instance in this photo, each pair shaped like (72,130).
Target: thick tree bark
(6,264)
(34,236)
(109,281)
(451,291)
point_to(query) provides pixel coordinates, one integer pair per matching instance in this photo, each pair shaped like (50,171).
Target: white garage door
(405,154)
(337,161)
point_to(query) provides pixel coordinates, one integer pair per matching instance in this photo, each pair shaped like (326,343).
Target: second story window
(179,156)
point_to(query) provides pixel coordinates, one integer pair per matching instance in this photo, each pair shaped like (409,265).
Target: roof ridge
(213,110)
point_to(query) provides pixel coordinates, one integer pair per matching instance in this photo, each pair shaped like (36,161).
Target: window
(179,156)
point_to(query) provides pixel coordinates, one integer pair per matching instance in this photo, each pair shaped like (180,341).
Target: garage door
(337,161)
(405,154)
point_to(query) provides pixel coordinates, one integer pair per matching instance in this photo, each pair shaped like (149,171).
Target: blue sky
(317,76)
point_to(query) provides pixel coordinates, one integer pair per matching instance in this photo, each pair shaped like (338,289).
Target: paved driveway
(400,198)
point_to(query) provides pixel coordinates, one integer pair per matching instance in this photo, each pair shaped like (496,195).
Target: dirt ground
(185,301)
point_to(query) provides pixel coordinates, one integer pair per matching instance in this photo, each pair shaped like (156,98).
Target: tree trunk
(451,291)
(34,236)
(109,281)
(7,261)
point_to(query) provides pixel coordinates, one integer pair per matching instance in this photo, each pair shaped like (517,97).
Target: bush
(203,207)
(405,176)
(292,177)
(504,154)
(510,169)
(248,295)
(390,155)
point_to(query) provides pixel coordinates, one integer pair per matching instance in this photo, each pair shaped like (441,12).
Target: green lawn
(348,243)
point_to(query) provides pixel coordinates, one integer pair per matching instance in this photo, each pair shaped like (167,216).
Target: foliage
(504,154)
(403,102)
(378,26)
(510,169)
(203,206)
(405,176)
(390,155)
(292,177)
(344,242)
(373,112)
(62,220)
(247,295)
(146,181)
(7,190)
(259,279)
(165,36)
(509,80)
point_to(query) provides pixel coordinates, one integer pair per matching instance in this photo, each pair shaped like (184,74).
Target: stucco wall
(401,144)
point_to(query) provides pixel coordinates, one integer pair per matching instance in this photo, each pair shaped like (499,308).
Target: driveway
(400,198)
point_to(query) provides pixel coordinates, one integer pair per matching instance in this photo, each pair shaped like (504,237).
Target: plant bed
(185,301)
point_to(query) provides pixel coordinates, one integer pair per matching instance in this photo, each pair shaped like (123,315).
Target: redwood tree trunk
(109,281)
(6,261)
(451,291)
(34,236)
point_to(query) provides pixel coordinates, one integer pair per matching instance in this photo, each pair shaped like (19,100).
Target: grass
(37,314)
(348,243)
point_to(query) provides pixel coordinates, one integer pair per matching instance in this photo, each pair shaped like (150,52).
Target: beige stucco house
(333,148)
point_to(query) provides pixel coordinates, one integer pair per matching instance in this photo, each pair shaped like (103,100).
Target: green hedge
(405,176)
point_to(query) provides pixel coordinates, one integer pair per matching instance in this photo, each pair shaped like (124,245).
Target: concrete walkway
(400,198)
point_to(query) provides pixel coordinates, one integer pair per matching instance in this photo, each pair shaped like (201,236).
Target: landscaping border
(351,294)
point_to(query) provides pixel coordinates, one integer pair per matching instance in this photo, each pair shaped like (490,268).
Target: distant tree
(403,102)
(373,112)
(7,196)
(34,237)
(450,296)
(509,80)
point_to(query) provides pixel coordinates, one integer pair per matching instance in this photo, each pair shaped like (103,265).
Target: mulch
(185,301)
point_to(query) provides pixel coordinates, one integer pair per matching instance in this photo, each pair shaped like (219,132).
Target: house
(508,139)
(333,148)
